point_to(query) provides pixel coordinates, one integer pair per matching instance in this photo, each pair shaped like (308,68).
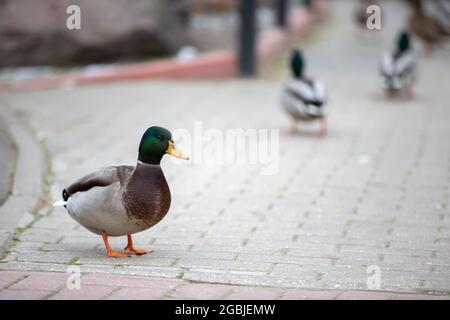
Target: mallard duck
(303,98)
(426,27)
(398,68)
(123,200)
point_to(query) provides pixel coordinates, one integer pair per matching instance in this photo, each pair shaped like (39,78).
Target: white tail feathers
(59,203)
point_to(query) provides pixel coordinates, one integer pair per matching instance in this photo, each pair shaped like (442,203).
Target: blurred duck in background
(441,8)
(428,28)
(303,98)
(398,68)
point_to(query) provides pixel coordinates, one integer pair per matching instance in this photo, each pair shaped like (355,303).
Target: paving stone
(98,258)
(365,295)
(419,297)
(23,294)
(42,281)
(247,279)
(200,291)
(86,292)
(32,266)
(128,281)
(138,294)
(298,294)
(244,293)
(27,245)
(197,254)
(288,259)
(77,247)
(8,278)
(224,264)
(48,257)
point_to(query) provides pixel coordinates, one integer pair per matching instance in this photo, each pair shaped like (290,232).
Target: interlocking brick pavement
(113,287)
(373,192)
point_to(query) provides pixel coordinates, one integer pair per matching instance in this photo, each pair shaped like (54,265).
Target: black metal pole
(281,12)
(247,35)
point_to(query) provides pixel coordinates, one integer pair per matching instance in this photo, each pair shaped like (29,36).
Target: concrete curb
(27,188)
(9,159)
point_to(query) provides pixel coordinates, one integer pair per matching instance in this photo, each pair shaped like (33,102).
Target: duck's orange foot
(292,129)
(109,250)
(323,129)
(132,250)
(321,133)
(116,254)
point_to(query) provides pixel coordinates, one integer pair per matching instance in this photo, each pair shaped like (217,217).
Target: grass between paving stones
(73,260)
(319,276)
(10,171)
(44,201)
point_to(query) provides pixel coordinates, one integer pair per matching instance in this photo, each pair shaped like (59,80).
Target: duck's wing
(387,68)
(320,94)
(405,64)
(443,28)
(390,67)
(100,178)
(305,98)
(300,90)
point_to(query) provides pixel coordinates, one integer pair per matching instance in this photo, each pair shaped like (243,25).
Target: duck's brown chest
(147,196)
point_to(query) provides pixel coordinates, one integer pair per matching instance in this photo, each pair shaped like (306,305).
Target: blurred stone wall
(34,32)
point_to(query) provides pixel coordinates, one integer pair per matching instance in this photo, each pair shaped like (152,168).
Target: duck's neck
(150,159)
(304,79)
(143,173)
(142,164)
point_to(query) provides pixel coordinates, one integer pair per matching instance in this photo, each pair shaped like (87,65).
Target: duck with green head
(304,98)
(398,68)
(123,200)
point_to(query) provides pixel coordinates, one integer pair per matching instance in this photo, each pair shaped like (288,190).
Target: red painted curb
(209,65)
(212,65)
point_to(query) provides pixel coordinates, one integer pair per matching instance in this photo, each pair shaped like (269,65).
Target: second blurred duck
(398,68)
(427,27)
(303,98)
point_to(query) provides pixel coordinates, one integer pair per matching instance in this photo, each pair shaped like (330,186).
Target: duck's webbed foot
(323,128)
(292,129)
(132,250)
(428,49)
(109,250)
(116,254)
(409,93)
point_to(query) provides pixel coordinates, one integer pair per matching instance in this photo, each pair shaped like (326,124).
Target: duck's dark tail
(65,197)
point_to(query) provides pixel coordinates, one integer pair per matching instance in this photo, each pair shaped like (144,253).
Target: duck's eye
(159,137)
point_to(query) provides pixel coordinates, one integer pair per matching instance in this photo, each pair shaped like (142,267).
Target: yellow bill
(174,152)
